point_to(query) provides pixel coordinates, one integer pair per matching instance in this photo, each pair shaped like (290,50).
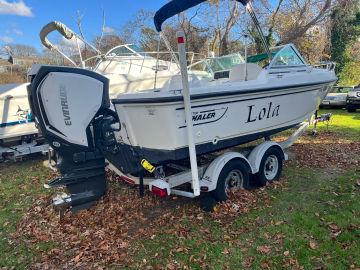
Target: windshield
(135,48)
(287,57)
(216,64)
(125,50)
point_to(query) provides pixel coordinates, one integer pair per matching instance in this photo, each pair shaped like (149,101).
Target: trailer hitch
(326,117)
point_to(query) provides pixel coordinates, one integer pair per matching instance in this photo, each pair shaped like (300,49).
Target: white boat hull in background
(15,114)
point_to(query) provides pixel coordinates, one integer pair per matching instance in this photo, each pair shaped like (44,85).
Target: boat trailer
(17,152)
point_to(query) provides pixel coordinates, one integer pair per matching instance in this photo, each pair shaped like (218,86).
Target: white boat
(131,70)
(15,112)
(247,102)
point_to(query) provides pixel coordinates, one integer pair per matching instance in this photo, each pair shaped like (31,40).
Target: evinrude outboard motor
(69,104)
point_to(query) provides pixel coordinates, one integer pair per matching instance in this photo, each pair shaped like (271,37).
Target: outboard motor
(69,105)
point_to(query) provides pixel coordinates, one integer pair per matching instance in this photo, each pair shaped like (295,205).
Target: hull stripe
(15,123)
(240,100)
(216,94)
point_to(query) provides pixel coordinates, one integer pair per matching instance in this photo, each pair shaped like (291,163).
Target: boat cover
(259,57)
(52,26)
(177,6)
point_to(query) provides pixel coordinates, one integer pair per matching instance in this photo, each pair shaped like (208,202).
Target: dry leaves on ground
(326,150)
(104,235)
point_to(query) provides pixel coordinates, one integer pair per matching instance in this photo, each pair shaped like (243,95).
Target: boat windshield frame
(280,50)
(129,47)
(209,67)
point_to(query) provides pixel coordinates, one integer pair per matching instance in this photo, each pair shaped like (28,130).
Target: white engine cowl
(65,101)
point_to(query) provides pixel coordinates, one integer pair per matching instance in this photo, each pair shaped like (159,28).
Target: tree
(21,50)
(344,31)
(303,23)
(53,58)
(350,74)
(106,42)
(221,18)
(305,15)
(132,31)
(196,41)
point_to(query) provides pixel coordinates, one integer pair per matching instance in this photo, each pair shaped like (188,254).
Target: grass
(294,229)
(297,216)
(20,185)
(14,77)
(344,123)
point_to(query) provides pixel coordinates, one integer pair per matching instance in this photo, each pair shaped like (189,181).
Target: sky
(22,20)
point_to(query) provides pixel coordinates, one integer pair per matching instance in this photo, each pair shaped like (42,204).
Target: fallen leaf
(226,251)
(333,227)
(312,244)
(265,264)
(77,257)
(335,234)
(286,253)
(264,249)
(123,245)
(171,266)
(248,262)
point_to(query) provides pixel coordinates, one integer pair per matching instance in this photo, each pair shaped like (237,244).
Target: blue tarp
(177,6)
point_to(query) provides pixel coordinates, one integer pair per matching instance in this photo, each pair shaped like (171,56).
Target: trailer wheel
(235,174)
(350,109)
(270,166)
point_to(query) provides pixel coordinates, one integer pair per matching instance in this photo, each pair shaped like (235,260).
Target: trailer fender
(258,152)
(211,175)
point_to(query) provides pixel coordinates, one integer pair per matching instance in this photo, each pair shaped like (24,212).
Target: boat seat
(175,82)
(237,73)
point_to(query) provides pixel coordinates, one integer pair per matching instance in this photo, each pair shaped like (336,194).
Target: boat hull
(15,116)
(157,130)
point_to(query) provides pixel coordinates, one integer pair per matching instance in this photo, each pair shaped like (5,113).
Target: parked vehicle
(353,99)
(336,98)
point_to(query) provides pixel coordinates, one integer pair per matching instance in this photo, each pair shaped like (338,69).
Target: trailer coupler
(326,117)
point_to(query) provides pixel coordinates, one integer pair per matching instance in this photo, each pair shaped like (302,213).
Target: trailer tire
(350,109)
(235,174)
(270,166)
(207,203)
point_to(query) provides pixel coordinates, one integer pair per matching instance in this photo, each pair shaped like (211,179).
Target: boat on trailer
(168,131)
(225,112)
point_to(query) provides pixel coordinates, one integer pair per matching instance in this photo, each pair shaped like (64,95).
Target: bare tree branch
(301,30)
(102,27)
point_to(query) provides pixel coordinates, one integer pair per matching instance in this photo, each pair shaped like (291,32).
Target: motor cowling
(68,104)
